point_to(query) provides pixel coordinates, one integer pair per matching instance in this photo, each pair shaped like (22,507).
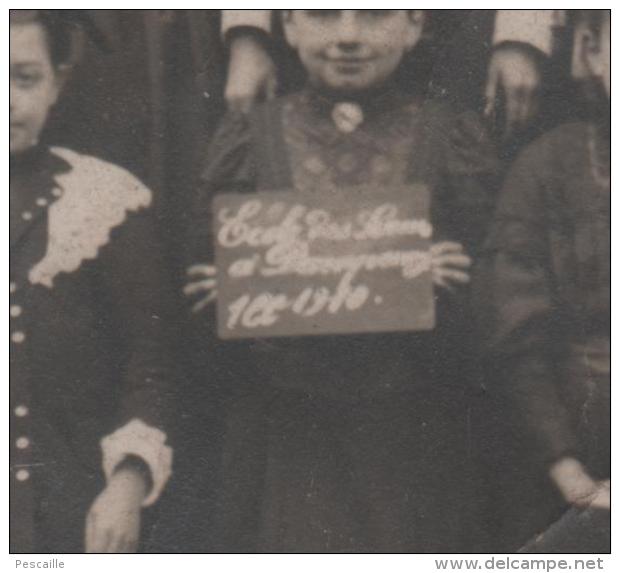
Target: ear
(290,28)
(414,28)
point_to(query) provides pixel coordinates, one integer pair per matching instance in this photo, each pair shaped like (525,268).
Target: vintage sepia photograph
(310,281)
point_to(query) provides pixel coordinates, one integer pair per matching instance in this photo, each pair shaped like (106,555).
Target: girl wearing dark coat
(544,286)
(88,376)
(351,442)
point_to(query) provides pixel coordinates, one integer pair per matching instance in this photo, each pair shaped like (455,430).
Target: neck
(364,97)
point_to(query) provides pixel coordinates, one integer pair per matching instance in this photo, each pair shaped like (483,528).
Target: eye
(26,79)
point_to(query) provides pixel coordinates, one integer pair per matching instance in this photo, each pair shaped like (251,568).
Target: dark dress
(86,331)
(544,300)
(355,442)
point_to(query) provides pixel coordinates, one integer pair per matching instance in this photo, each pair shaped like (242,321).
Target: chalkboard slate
(348,260)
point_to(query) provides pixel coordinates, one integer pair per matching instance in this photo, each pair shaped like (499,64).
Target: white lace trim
(96,197)
(148,443)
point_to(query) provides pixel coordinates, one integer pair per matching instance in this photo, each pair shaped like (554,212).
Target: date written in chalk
(266,308)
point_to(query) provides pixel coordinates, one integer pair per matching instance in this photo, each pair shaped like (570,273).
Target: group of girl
(326,443)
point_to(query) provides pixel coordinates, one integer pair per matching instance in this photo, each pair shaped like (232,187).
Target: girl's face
(34,84)
(351,51)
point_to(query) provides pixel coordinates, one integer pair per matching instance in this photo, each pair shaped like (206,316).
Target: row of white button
(20,411)
(15,310)
(22,475)
(22,442)
(41,202)
(18,337)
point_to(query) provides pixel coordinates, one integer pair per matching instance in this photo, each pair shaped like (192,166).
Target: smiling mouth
(350,61)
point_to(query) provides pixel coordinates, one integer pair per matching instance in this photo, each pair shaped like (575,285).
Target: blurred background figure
(88,345)
(544,304)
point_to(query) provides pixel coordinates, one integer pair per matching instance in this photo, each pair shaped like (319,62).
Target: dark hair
(60,33)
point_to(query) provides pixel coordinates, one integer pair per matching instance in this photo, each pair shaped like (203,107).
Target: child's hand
(450,264)
(113,522)
(516,73)
(204,283)
(602,496)
(577,487)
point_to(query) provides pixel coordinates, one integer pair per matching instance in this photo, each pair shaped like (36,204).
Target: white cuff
(532,27)
(148,443)
(255,18)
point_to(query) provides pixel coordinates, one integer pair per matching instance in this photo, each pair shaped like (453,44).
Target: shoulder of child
(228,153)
(556,147)
(443,122)
(95,197)
(98,181)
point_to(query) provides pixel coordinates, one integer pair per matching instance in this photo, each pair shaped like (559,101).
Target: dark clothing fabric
(578,531)
(304,473)
(356,442)
(544,301)
(87,344)
(448,157)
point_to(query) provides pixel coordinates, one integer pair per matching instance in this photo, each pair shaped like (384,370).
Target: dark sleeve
(471,171)
(229,168)
(520,317)
(136,286)
(139,308)
(465,173)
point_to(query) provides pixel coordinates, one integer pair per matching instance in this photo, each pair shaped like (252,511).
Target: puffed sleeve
(465,157)
(230,167)
(463,170)
(520,316)
(472,172)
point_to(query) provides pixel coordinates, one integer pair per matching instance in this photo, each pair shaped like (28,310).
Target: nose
(348,31)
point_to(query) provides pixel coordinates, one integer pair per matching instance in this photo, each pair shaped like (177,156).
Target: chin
(349,85)
(18,146)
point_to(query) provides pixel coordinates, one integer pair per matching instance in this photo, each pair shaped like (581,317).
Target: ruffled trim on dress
(95,197)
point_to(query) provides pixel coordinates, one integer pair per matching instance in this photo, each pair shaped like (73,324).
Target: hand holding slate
(450,264)
(205,282)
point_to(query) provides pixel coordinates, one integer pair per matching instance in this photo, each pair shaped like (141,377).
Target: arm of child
(251,73)
(229,168)
(135,302)
(520,322)
(577,486)
(464,196)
